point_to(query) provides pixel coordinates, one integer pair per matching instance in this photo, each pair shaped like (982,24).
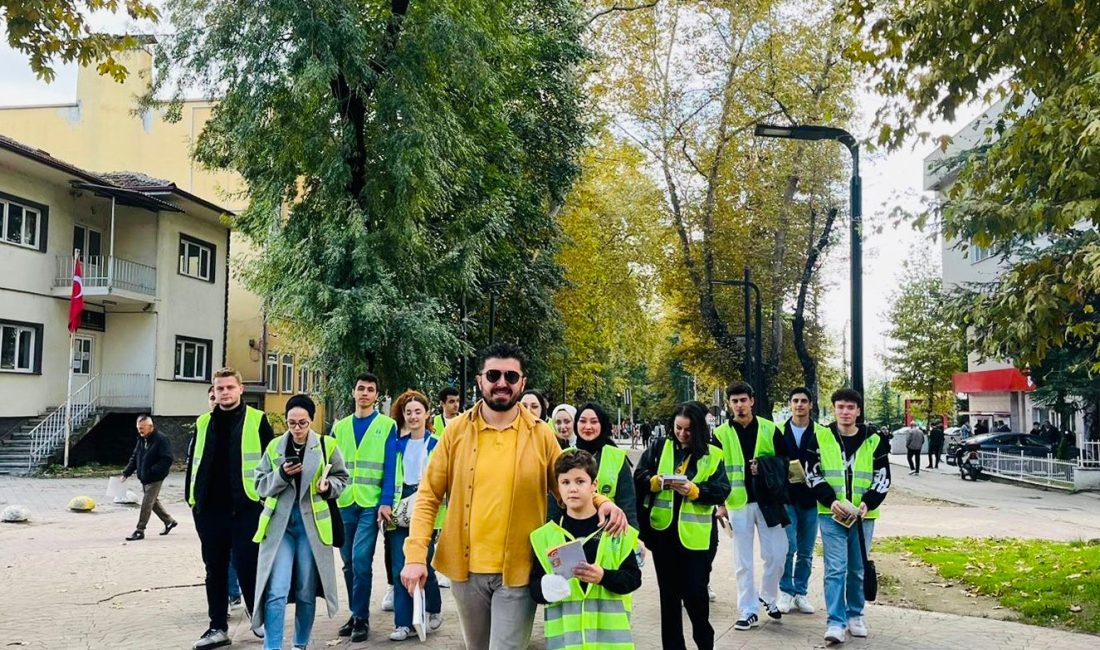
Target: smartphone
(292,460)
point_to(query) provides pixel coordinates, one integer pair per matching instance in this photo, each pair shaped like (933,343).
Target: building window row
(22,222)
(20,347)
(280,375)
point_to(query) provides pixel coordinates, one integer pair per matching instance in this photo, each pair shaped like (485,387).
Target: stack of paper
(420,613)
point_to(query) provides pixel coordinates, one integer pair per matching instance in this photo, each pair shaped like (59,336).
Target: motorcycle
(969,465)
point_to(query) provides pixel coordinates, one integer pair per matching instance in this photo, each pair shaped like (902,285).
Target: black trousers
(933,454)
(913,457)
(389,559)
(224,531)
(682,577)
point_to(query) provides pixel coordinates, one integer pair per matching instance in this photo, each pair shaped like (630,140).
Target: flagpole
(69,400)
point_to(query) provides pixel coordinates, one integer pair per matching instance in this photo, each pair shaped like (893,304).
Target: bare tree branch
(620,8)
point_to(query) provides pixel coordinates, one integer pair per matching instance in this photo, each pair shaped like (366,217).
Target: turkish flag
(76,303)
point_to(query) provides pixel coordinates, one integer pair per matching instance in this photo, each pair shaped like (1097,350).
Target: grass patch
(1054,584)
(94,470)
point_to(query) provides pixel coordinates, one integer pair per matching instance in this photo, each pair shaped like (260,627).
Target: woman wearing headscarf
(613,478)
(561,420)
(683,479)
(295,534)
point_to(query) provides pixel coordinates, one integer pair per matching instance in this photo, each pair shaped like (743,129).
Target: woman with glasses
(407,457)
(683,479)
(298,474)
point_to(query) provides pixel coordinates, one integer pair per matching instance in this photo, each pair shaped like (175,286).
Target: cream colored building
(99,131)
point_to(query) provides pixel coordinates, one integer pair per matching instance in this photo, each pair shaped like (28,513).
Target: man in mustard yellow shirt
(495,464)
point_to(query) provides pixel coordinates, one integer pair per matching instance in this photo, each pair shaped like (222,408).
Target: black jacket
(771,490)
(712,492)
(800,494)
(152,458)
(880,481)
(219,485)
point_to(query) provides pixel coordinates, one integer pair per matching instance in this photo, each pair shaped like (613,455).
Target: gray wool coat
(270,483)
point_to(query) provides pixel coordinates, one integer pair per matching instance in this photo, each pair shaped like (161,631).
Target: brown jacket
(450,473)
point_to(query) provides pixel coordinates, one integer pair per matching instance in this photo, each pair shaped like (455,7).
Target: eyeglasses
(297,424)
(510,376)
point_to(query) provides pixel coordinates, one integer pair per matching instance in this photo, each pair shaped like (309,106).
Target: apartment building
(99,131)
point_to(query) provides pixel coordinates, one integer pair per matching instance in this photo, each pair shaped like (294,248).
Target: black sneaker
(773,609)
(346,628)
(136,536)
(168,527)
(360,631)
(212,638)
(747,623)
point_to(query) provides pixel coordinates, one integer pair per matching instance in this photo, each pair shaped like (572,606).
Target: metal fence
(49,435)
(1089,454)
(1028,469)
(101,271)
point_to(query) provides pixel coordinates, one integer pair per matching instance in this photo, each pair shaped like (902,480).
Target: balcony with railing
(105,275)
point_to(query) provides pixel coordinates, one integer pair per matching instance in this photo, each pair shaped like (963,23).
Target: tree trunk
(814,248)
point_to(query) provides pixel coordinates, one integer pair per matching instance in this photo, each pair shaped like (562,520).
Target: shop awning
(1003,380)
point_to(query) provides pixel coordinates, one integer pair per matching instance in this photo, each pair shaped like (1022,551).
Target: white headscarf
(572,411)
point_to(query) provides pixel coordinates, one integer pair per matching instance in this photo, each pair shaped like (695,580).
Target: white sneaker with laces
(836,634)
(401,633)
(802,604)
(435,621)
(784,602)
(387,600)
(857,627)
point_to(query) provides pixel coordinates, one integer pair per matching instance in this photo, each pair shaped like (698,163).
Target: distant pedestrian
(935,446)
(647,433)
(152,460)
(981,427)
(1001,427)
(297,476)
(914,442)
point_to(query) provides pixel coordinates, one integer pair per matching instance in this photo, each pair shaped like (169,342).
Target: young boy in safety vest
(848,470)
(590,610)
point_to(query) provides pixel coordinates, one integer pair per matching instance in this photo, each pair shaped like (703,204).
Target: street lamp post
(754,368)
(493,286)
(814,133)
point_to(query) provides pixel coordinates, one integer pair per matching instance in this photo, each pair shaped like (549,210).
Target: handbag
(403,513)
(334,510)
(870,574)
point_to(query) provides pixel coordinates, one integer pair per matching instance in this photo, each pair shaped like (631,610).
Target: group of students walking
(485,496)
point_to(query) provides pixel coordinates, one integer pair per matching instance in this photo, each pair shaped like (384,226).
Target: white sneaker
(802,604)
(400,634)
(710,594)
(444,581)
(784,602)
(836,634)
(435,621)
(857,627)
(387,600)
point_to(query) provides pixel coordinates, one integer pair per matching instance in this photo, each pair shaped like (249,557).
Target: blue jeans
(801,535)
(234,586)
(360,538)
(293,561)
(402,600)
(843,569)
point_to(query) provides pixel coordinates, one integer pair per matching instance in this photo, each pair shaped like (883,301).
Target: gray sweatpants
(493,617)
(151,503)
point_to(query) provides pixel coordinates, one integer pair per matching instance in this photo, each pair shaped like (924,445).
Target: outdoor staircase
(16,450)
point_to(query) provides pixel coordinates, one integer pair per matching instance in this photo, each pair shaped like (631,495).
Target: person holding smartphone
(297,476)
(683,479)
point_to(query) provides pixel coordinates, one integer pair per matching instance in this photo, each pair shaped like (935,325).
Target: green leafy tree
(928,344)
(52,31)
(399,157)
(1031,190)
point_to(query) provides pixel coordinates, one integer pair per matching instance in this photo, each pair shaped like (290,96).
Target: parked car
(1005,443)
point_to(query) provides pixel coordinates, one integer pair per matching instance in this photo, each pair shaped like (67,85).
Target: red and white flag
(76,303)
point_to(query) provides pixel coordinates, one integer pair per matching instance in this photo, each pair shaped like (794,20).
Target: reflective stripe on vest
(399,484)
(592,619)
(735,458)
(833,468)
(695,521)
(322,516)
(365,462)
(250,451)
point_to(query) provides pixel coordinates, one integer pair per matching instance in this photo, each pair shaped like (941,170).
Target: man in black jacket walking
(152,458)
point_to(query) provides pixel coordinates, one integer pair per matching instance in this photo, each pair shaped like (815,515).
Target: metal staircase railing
(49,435)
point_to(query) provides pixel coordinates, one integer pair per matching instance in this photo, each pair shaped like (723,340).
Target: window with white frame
(20,224)
(979,253)
(316,381)
(193,358)
(272,372)
(288,373)
(196,258)
(20,347)
(303,378)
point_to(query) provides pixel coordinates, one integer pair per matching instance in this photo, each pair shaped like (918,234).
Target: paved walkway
(73,582)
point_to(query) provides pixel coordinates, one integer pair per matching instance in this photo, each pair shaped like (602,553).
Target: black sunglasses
(510,376)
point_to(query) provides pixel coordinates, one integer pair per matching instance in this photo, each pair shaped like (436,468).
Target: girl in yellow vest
(407,456)
(683,479)
(295,531)
(589,609)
